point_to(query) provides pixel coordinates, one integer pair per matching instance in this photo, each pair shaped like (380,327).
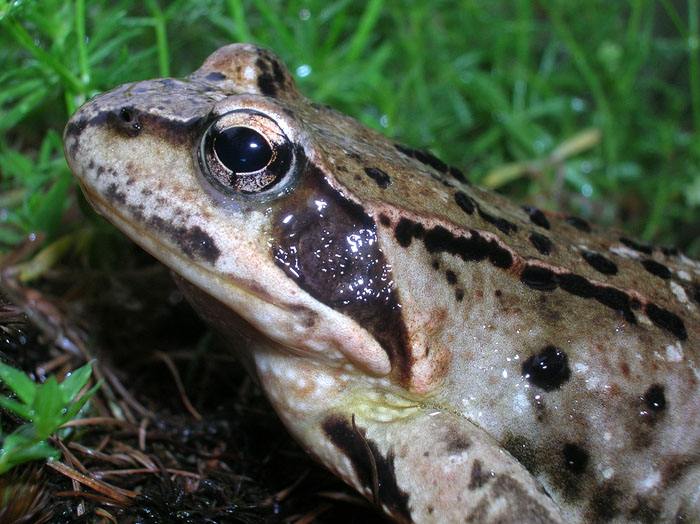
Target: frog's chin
(294,328)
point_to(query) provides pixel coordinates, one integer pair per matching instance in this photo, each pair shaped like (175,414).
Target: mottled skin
(452,356)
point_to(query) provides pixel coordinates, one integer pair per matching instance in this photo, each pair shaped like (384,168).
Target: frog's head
(219,177)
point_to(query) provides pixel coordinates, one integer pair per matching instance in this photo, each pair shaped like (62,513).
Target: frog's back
(575,346)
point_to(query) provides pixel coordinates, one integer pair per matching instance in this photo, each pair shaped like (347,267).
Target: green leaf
(48,408)
(48,207)
(19,409)
(18,382)
(73,410)
(74,382)
(46,258)
(19,448)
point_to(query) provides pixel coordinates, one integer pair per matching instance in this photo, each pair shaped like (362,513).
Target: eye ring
(246,152)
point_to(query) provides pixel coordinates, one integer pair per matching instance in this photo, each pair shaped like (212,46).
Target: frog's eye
(246,152)
(242,150)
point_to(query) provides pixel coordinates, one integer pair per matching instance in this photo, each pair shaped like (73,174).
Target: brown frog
(452,356)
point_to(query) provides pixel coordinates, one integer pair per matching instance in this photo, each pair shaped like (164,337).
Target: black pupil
(242,150)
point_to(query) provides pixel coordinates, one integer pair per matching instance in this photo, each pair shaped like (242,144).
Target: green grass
(497,88)
(46,407)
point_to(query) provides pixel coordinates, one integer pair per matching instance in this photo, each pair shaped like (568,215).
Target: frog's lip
(175,260)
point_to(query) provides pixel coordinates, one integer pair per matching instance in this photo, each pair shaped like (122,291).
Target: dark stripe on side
(544,279)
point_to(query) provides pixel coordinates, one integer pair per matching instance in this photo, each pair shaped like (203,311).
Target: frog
(452,356)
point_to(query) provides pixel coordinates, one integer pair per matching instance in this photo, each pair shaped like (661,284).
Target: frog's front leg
(434,466)
(414,463)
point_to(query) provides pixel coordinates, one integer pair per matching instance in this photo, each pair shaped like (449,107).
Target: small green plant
(46,406)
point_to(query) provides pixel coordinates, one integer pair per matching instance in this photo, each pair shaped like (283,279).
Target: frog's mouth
(173,258)
(294,327)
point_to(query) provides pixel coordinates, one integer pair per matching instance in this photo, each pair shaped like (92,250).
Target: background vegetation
(493,87)
(587,107)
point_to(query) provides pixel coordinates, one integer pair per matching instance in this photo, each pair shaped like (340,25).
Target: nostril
(126,115)
(127,121)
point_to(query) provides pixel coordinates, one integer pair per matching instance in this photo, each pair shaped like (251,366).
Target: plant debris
(178,433)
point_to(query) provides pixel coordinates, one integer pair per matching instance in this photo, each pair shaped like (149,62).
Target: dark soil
(236,464)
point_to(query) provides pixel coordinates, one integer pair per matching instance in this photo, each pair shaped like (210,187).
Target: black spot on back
(472,249)
(478,477)
(379,176)
(575,458)
(655,268)
(501,223)
(600,263)
(463,201)
(642,248)
(384,220)
(458,174)
(456,442)
(406,230)
(539,278)
(548,370)
(541,243)
(576,285)
(451,277)
(696,292)
(438,177)
(424,157)
(615,299)
(439,240)
(666,320)
(215,76)
(431,160)
(654,398)
(353,443)
(670,251)
(537,217)
(270,76)
(578,223)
